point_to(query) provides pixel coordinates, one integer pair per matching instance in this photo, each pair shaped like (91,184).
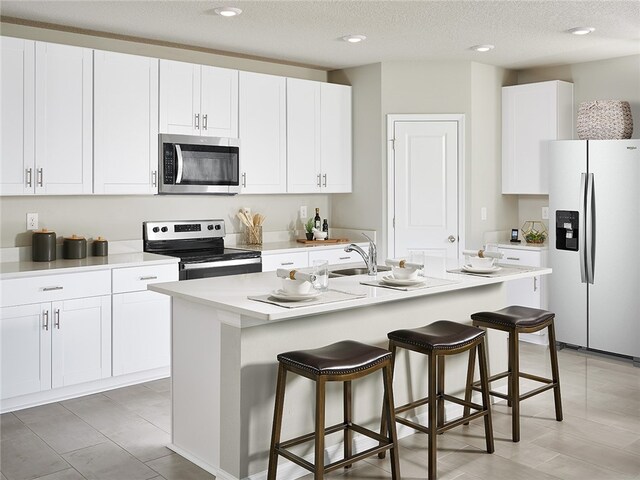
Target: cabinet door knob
(40,175)
(56,317)
(324,178)
(319,176)
(451,239)
(45,320)
(244,179)
(197,121)
(154,178)
(204,121)
(29,177)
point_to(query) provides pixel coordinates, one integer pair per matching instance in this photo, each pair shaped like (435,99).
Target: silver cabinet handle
(324,177)
(344,258)
(286,263)
(535,284)
(197,121)
(451,239)
(513,258)
(154,178)
(40,174)
(204,121)
(319,180)
(29,177)
(152,277)
(50,289)
(244,179)
(56,318)
(45,320)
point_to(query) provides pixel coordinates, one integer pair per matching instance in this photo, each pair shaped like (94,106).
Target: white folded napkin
(482,254)
(295,275)
(391,262)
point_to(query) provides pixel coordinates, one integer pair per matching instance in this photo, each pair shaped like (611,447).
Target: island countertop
(230,293)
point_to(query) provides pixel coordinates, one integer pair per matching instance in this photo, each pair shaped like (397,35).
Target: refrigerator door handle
(582,235)
(590,221)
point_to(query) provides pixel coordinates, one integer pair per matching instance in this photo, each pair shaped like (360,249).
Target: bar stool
(515,320)
(340,362)
(437,340)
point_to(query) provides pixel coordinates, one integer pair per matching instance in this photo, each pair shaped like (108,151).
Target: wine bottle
(317,221)
(325,228)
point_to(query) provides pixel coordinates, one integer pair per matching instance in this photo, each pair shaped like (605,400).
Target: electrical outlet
(545,213)
(483,213)
(303,212)
(32,221)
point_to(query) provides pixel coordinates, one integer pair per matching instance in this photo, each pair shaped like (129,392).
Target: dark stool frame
(435,387)
(318,468)
(513,396)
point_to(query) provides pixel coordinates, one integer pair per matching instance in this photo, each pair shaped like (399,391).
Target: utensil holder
(253,235)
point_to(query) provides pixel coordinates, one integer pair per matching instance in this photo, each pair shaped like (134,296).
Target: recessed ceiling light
(228,11)
(354,38)
(581,30)
(482,48)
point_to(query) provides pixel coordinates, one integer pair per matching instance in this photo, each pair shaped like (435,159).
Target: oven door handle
(222,263)
(180,164)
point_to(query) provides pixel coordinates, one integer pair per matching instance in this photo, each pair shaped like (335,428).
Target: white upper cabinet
(17,107)
(126,124)
(198,100)
(47,110)
(318,137)
(533,114)
(64,119)
(263,133)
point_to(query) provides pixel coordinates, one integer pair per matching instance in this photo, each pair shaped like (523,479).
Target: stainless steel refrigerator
(594,244)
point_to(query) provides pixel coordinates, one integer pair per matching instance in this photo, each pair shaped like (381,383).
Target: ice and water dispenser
(567,230)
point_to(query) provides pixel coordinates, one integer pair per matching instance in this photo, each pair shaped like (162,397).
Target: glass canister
(43,246)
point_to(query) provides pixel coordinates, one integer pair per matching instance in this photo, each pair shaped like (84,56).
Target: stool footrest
(536,391)
(549,385)
(412,405)
(311,436)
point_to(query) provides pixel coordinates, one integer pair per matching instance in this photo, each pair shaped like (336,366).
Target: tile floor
(120,434)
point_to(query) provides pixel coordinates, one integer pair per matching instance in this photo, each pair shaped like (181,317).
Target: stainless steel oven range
(200,246)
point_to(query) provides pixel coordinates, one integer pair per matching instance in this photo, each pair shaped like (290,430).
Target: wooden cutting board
(322,242)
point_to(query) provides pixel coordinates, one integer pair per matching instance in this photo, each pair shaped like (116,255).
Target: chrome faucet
(371,259)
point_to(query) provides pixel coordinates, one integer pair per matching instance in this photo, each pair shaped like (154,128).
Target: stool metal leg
(318,473)
(470,372)
(388,408)
(555,376)
(347,409)
(277,422)
(440,387)
(486,401)
(433,417)
(514,382)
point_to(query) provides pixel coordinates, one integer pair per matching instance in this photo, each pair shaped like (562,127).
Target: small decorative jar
(43,246)
(74,247)
(100,247)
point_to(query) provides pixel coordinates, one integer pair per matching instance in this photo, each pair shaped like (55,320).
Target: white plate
(293,297)
(389,279)
(470,269)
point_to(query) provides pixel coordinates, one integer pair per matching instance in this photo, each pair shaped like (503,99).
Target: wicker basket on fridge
(604,120)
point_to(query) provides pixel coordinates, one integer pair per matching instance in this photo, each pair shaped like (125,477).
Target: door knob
(451,239)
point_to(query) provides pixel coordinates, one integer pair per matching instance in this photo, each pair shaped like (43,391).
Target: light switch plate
(545,213)
(483,213)
(303,212)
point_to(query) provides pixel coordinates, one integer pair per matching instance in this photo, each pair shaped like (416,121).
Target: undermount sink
(347,272)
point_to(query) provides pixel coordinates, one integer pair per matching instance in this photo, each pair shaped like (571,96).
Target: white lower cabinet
(56,344)
(336,256)
(272,262)
(141,331)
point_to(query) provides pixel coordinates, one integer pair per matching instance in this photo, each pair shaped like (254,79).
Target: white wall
(121,217)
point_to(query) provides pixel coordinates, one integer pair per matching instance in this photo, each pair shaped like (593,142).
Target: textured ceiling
(525,33)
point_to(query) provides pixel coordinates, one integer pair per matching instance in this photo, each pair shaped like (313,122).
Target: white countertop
(536,247)
(230,293)
(291,246)
(23,269)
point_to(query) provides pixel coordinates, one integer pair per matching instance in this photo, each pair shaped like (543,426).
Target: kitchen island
(224,349)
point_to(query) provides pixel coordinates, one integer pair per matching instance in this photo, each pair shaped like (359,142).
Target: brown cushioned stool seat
(437,340)
(343,362)
(517,319)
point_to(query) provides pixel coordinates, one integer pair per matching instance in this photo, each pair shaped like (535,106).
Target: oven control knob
(218,227)
(210,227)
(156,229)
(164,229)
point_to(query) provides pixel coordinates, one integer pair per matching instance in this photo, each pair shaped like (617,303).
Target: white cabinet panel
(335,137)
(263,130)
(25,349)
(81,340)
(17,110)
(126,124)
(271,262)
(134,279)
(532,115)
(336,256)
(64,119)
(219,102)
(141,332)
(303,136)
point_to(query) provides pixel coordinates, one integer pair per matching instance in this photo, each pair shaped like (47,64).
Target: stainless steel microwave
(198,165)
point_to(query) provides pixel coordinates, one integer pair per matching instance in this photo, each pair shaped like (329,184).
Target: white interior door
(425,188)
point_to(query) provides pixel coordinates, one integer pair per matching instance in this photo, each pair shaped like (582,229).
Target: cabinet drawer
(521,257)
(133,279)
(336,256)
(284,260)
(50,288)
